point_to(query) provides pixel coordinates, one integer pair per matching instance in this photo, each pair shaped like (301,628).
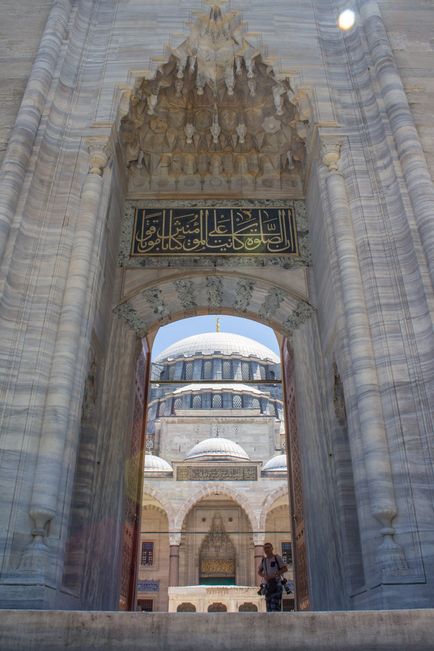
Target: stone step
(404,630)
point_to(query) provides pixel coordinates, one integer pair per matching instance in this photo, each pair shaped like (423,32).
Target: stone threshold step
(397,630)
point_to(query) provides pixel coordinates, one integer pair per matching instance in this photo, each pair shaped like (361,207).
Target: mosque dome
(276,464)
(156,464)
(217,449)
(224,343)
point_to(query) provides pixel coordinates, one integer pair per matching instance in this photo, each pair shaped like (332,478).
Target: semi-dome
(276,464)
(154,463)
(215,386)
(217,449)
(225,343)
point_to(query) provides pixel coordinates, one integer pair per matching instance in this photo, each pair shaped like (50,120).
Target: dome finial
(217,325)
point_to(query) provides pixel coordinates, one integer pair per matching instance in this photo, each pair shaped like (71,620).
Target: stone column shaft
(174,566)
(23,134)
(259,555)
(408,145)
(44,502)
(374,439)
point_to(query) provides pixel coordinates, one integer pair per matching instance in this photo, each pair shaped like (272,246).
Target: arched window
(248,608)
(227,370)
(197,402)
(207,370)
(178,403)
(217,401)
(217,608)
(255,404)
(245,370)
(186,607)
(188,370)
(237,402)
(164,409)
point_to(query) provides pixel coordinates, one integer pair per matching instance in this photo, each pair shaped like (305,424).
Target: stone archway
(64,200)
(220,550)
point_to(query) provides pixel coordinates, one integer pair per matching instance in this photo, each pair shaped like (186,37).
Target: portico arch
(217,489)
(269,503)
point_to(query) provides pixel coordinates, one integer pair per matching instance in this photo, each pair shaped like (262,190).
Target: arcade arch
(217,543)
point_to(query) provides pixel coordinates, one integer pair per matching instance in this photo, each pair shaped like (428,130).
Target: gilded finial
(217,326)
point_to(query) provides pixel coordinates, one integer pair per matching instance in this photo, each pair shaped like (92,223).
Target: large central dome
(225,343)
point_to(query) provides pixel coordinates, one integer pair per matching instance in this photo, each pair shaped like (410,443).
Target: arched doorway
(326,321)
(216,544)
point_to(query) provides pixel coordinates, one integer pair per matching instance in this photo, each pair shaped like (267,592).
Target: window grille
(146,605)
(287,553)
(245,370)
(237,402)
(188,370)
(147,557)
(207,370)
(217,401)
(227,370)
(197,402)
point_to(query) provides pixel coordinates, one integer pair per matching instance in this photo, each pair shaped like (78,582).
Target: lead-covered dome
(211,343)
(155,464)
(217,449)
(277,464)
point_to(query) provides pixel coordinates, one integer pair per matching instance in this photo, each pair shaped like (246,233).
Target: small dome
(215,386)
(156,464)
(276,464)
(212,343)
(217,449)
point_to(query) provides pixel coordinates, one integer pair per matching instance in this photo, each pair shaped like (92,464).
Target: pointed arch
(270,500)
(212,489)
(159,497)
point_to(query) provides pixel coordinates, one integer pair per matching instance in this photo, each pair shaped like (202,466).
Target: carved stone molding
(244,292)
(215,118)
(129,314)
(215,291)
(185,291)
(272,303)
(301,313)
(154,298)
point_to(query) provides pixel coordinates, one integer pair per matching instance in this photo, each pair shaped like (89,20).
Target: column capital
(99,149)
(331,154)
(175,539)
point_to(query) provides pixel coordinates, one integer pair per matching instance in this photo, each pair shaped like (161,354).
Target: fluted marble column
(22,138)
(174,566)
(44,501)
(409,148)
(374,439)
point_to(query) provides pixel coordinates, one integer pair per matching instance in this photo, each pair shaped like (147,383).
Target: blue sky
(172,332)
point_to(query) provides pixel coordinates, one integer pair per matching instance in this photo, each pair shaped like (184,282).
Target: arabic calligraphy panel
(219,231)
(228,473)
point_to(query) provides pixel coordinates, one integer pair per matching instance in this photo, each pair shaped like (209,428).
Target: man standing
(271,569)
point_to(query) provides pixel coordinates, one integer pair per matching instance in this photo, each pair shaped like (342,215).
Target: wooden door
(134,484)
(295,482)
